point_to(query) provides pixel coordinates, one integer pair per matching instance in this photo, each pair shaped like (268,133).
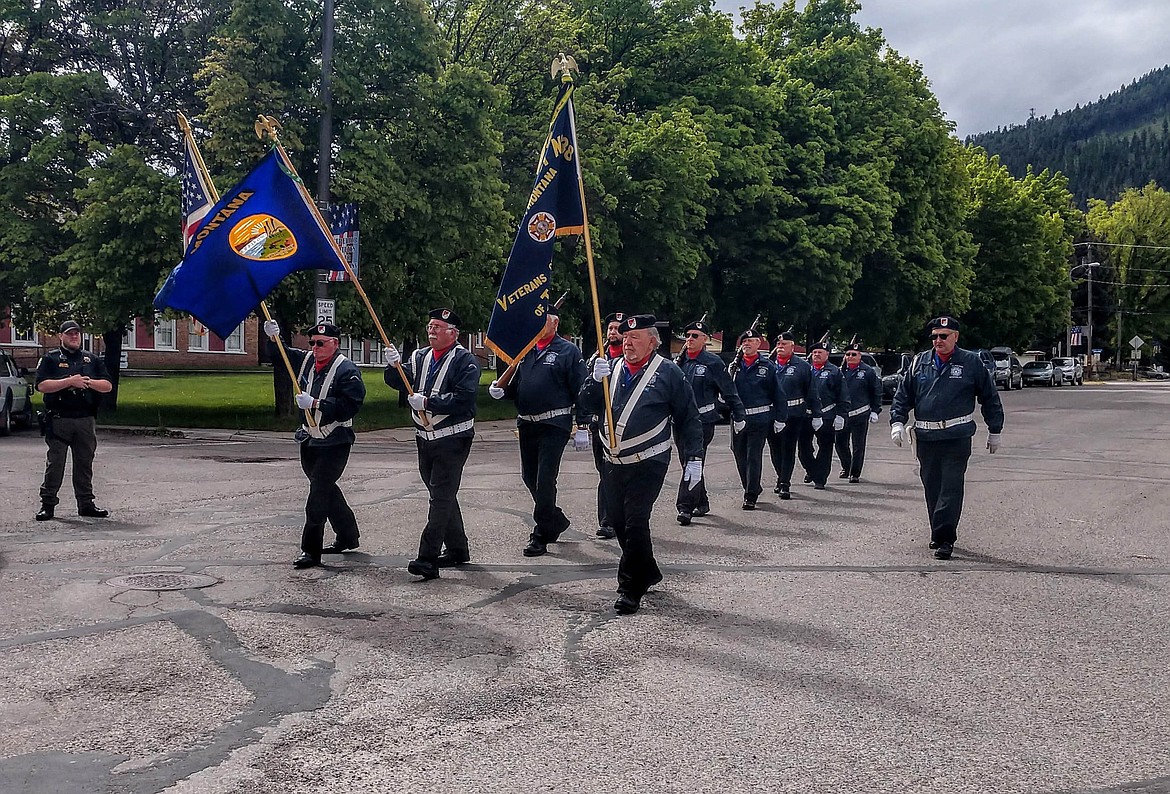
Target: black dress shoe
(306,560)
(449,560)
(92,511)
(943,552)
(934,544)
(777,488)
(535,548)
(427,570)
(748,504)
(626,605)
(807,479)
(338,548)
(699,512)
(606,533)
(819,486)
(842,475)
(784,492)
(854,479)
(46,513)
(684,517)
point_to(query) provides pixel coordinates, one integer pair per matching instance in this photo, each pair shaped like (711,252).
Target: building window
(23,336)
(235,341)
(164,333)
(196,335)
(128,336)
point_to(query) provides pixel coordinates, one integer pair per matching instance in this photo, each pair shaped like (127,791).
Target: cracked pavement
(811,646)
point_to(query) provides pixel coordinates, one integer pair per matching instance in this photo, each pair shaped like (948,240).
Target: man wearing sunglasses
(332,392)
(861,391)
(71,380)
(941,388)
(589,422)
(705,374)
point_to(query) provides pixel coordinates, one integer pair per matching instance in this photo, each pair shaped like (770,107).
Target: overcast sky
(990,62)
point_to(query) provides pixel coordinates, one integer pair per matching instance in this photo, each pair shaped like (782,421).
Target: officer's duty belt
(759,409)
(826,408)
(859,411)
(546,415)
(435,435)
(944,424)
(795,403)
(707,408)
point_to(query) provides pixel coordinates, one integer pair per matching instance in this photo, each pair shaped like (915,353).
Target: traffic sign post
(325,311)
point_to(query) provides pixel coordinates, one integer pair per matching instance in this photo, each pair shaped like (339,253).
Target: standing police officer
(941,387)
(705,374)
(545,385)
(764,408)
(795,375)
(649,396)
(589,422)
(827,380)
(332,391)
(71,380)
(862,402)
(446,380)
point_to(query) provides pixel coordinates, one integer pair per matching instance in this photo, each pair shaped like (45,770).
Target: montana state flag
(554,210)
(262,230)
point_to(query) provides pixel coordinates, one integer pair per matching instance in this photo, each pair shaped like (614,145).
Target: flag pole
(185,126)
(565,66)
(267,126)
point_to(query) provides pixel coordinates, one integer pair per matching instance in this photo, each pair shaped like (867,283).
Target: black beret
(699,325)
(614,317)
(750,334)
(446,315)
(324,329)
(853,346)
(819,346)
(637,321)
(786,336)
(945,321)
(69,325)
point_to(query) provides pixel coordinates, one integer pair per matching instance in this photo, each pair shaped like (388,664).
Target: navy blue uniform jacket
(759,387)
(938,394)
(708,377)
(801,395)
(548,380)
(451,400)
(862,390)
(830,391)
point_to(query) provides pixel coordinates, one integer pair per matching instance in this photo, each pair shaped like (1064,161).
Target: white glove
(601,369)
(817,423)
(839,423)
(899,434)
(416,401)
(495,391)
(272,329)
(581,439)
(693,473)
(304,401)
(873,417)
(737,426)
(992,442)
(777,427)
(391,356)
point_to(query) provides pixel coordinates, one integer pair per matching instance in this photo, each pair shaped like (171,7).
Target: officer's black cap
(69,325)
(818,346)
(324,329)
(637,321)
(750,334)
(614,317)
(945,321)
(699,325)
(786,336)
(446,315)
(852,346)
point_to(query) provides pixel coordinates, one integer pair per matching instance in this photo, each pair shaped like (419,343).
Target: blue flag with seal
(262,230)
(554,210)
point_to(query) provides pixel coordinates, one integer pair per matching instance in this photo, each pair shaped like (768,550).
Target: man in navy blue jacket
(804,407)
(941,388)
(545,385)
(765,411)
(445,377)
(861,404)
(827,379)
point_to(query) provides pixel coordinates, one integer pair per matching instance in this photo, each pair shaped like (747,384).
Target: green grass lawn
(244,401)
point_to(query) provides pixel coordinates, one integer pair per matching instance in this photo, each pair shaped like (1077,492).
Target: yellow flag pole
(185,126)
(270,127)
(565,65)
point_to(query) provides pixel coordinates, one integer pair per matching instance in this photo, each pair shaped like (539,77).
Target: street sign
(325,311)
(1135,354)
(1136,342)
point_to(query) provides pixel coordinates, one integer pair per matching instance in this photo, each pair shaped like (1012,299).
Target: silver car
(15,395)
(1042,373)
(1074,370)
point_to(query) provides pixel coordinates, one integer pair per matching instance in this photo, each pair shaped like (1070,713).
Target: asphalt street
(814,645)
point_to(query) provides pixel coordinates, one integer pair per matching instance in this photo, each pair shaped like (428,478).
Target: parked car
(894,366)
(1043,373)
(1009,372)
(1072,369)
(16,405)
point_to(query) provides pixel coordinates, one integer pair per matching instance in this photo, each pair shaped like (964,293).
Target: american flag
(196,195)
(343,223)
(1075,337)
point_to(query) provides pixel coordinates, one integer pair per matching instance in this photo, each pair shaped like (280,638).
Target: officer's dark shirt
(830,392)
(758,386)
(797,382)
(548,380)
(60,364)
(938,393)
(862,388)
(708,377)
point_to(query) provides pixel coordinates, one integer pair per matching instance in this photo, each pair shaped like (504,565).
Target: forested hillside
(1120,141)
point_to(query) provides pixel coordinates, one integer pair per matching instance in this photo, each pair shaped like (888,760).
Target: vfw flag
(554,210)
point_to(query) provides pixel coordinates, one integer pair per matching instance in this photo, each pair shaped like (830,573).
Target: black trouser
(440,463)
(782,446)
(851,444)
(541,448)
(324,465)
(632,490)
(79,435)
(942,466)
(691,499)
(817,463)
(748,447)
(602,491)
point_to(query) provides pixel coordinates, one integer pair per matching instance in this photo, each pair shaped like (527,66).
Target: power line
(1124,245)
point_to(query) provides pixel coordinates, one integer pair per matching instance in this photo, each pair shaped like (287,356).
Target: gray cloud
(991,62)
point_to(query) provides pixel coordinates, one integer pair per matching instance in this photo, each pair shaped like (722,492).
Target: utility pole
(1089,325)
(325,133)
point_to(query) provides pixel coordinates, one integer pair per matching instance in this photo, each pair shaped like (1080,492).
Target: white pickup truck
(16,405)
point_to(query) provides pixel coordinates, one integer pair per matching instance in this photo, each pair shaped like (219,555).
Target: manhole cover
(162,581)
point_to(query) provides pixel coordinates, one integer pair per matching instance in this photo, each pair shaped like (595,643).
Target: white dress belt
(637,457)
(859,411)
(435,435)
(829,407)
(707,408)
(546,415)
(944,424)
(759,409)
(796,402)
